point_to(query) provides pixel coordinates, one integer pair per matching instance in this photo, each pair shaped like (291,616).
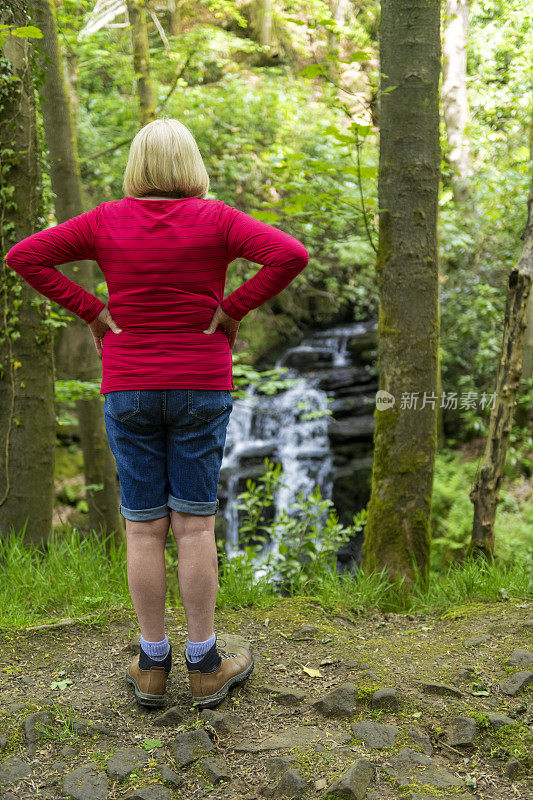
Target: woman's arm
(35,258)
(283,257)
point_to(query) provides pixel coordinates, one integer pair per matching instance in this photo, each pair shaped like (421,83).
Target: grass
(74,575)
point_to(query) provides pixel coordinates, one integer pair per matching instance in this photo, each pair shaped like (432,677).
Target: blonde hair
(164,159)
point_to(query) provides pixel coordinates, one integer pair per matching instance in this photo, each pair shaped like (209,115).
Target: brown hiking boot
(211,678)
(149,678)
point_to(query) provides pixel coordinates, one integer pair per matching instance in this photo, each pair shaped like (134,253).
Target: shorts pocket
(123,404)
(207,404)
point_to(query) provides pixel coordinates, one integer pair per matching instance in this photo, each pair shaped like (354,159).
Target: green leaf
(311,71)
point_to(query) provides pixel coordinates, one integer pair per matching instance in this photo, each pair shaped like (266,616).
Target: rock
(521,658)
(33,726)
(126,760)
(408,767)
(351,429)
(190,746)
(474,641)
(374,734)
(67,751)
(513,768)
(13,769)
(516,682)
(462,732)
(385,699)
(297,736)
(440,689)
(290,784)
(154,792)
(354,782)
(214,769)
(230,641)
(277,765)
(171,777)
(464,674)
(305,632)
(222,723)
(86,783)
(338,703)
(3,741)
(286,696)
(497,720)
(82,726)
(422,740)
(172,716)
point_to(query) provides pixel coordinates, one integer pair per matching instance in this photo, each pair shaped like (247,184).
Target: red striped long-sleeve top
(165,264)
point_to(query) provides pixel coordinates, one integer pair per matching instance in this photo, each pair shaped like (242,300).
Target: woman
(165,340)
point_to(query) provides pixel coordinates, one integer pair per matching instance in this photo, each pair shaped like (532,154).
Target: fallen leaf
(321,783)
(314,673)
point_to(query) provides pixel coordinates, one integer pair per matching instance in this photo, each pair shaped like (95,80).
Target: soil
(442,668)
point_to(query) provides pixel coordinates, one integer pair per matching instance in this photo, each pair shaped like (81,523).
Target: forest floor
(455,721)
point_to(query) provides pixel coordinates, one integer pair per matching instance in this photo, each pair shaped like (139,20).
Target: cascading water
(278,426)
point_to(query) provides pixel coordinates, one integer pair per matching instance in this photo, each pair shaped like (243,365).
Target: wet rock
(354,782)
(222,723)
(462,732)
(154,792)
(440,689)
(172,716)
(277,765)
(171,777)
(286,696)
(351,428)
(422,740)
(297,736)
(409,767)
(13,769)
(516,682)
(497,720)
(374,734)
(339,703)
(513,768)
(190,746)
(475,641)
(521,658)
(126,760)
(385,699)
(33,726)
(291,784)
(86,783)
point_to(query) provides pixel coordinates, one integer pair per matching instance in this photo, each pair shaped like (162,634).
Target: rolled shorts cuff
(144,513)
(192,507)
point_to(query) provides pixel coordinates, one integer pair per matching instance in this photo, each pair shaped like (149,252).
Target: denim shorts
(168,446)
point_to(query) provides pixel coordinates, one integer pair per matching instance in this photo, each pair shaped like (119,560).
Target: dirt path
(402,707)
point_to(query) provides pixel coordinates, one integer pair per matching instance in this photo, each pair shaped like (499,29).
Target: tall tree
(27,412)
(397,533)
(141,59)
(485,494)
(454,95)
(75,351)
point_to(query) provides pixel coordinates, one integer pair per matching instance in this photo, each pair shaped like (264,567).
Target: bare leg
(147,578)
(197,571)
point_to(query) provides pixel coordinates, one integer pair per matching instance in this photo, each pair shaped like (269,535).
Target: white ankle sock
(197,650)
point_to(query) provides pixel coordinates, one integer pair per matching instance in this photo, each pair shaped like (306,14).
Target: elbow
(12,258)
(301,257)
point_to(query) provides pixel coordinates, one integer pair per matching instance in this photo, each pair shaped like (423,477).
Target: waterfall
(276,426)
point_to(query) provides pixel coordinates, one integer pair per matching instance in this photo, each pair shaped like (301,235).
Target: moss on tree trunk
(397,534)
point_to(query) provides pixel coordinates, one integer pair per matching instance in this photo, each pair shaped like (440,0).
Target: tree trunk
(174,15)
(141,60)
(485,494)
(397,533)
(27,411)
(454,95)
(77,357)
